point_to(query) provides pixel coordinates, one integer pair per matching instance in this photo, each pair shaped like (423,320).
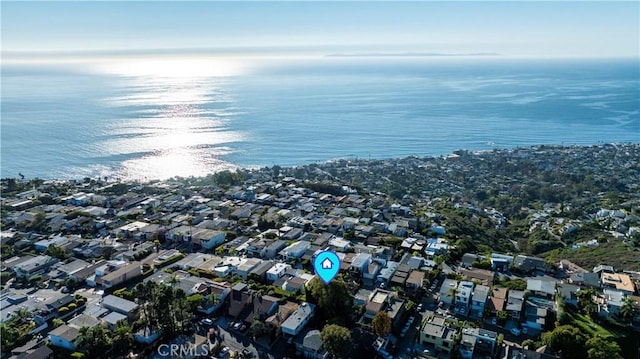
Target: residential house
(448,291)
(259,272)
(415,281)
(541,288)
(34,266)
(111,320)
(477,342)
(297,321)
(208,238)
(120,305)
(500,262)
(245,268)
(215,297)
(263,307)
(36,351)
(436,247)
(483,276)
(479,300)
(386,273)
(282,313)
(497,300)
(600,269)
(591,280)
(83,320)
(468,259)
(535,316)
(614,300)
(295,251)
(527,264)
(463,297)
(64,337)
(272,250)
(360,263)
(312,346)
(400,276)
(619,281)
(239,299)
(568,293)
(277,271)
(515,304)
(437,333)
(121,275)
(370,275)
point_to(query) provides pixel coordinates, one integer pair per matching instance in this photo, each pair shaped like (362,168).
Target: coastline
(353,159)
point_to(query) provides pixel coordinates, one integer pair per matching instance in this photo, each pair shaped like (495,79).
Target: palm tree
(628,310)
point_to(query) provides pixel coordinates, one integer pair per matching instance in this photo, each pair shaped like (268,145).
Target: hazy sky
(513,28)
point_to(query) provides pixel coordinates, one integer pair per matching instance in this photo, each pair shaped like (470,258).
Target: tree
(195,300)
(333,300)
(122,337)
(566,338)
(585,301)
(257,328)
(603,348)
(56,252)
(57,322)
(501,317)
(381,324)
(529,344)
(336,339)
(94,341)
(628,310)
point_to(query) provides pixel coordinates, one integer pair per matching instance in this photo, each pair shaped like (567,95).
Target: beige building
(437,333)
(127,272)
(621,282)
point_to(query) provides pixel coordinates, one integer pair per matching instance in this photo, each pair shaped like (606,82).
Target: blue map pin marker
(327,265)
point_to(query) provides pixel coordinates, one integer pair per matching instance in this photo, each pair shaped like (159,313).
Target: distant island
(496,253)
(412,54)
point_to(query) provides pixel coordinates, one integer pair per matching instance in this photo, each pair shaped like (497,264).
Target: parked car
(515,331)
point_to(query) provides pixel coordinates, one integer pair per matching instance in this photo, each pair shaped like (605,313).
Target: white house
(208,238)
(277,271)
(296,321)
(295,250)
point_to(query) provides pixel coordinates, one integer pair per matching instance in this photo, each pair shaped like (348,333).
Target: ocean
(75,121)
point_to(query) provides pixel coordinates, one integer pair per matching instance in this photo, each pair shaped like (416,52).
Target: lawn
(588,326)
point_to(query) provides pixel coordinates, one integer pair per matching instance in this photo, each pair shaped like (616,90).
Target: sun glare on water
(177,111)
(174,68)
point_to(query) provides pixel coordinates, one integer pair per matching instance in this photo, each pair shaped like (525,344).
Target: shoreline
(354,158)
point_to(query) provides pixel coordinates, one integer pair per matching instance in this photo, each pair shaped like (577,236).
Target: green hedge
(171,260)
